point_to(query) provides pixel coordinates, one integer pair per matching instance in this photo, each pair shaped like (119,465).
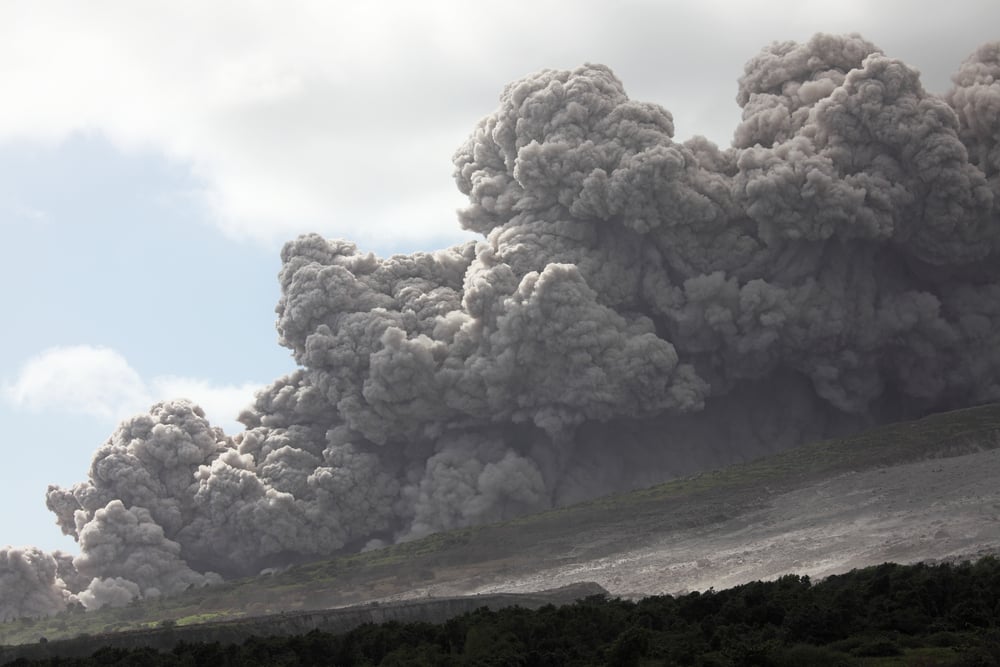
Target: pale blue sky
(109,250)
(155,156)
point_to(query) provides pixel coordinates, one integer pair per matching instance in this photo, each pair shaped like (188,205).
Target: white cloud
(80,379)
(317,116)
(294,120)
(99,382)
(21,214)
(221,403)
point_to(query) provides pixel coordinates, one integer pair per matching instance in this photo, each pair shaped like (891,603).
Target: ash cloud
(30,583)
(638,308)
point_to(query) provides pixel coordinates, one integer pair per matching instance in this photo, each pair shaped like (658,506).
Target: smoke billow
(30,583)
(637,308)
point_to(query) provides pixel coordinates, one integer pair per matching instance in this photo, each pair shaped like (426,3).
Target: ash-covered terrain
(934,510)
(913,491)
(638,308)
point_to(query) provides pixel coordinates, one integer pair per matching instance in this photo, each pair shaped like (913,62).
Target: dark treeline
(889,614)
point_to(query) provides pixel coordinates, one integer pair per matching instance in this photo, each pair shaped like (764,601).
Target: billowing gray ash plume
(29,583)
(638,308)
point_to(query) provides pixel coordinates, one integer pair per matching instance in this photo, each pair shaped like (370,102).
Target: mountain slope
(910,491)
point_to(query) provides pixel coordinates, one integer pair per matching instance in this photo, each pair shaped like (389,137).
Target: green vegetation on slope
(883,615)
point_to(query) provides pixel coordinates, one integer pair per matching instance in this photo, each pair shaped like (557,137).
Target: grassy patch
(195,619)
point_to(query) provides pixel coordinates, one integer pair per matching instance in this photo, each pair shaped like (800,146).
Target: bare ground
(937,509)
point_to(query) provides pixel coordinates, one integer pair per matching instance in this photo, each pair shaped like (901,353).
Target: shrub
(878,648)
(807,654)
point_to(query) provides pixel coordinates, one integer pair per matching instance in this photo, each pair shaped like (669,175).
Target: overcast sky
(154,156)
